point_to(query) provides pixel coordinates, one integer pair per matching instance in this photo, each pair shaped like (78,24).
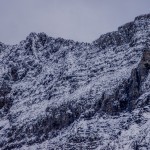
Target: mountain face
(57,94)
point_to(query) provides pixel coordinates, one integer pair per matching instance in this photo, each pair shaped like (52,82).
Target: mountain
(58,94)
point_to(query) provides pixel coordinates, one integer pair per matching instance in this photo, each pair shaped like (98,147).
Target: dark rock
(56,88)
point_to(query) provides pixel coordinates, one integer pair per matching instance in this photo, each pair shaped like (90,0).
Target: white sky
(79,20)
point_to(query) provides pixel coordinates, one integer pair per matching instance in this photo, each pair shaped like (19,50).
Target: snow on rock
(61,94)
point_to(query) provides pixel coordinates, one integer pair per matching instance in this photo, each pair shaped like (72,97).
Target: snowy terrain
(61,94)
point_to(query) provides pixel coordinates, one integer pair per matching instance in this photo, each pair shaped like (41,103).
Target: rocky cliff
(61,94)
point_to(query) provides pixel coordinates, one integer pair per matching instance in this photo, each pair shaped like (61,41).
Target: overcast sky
(80,20)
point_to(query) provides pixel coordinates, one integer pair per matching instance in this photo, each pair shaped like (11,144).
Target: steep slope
(55,93)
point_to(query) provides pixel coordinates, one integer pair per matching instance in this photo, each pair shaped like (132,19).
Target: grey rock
(61,94)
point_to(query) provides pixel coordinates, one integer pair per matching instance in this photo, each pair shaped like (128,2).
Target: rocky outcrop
(54,90)
(5,100)
(126,95)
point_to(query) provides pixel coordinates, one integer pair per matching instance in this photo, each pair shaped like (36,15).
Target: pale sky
(79,20)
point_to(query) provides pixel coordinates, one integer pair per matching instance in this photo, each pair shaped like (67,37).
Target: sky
(79,20)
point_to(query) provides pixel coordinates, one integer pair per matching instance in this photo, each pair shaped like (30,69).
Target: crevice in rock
(5,100)
(125,96)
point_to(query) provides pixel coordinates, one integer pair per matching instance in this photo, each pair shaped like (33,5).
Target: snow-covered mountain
(57,94)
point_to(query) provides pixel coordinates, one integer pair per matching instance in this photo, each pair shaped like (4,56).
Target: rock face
(61,94)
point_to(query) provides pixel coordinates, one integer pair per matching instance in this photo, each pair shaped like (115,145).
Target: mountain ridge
(55,92)
(144,16)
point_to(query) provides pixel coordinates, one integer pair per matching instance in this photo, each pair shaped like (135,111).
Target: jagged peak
(2,44)
(43,39)
(54,91)
(123,35)
(143,17)
(108,36)
(34,35)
